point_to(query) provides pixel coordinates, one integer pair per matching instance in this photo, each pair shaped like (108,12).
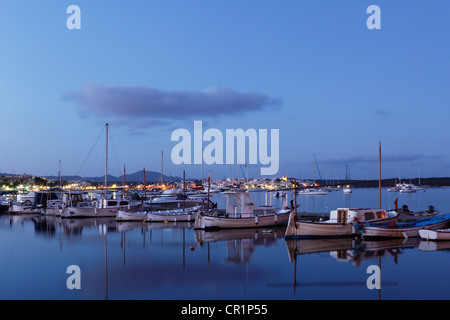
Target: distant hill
(150,176)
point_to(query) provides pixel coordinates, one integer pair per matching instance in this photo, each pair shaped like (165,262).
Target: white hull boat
(173,215)
(440,234)
(130,216)
(313,192)
(343,222)
(241,212)
(213,222)
(107,208)
(15,208)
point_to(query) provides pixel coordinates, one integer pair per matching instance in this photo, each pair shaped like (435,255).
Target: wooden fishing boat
(123,215)
(440,234)
(405,215)
(175,215)
(169,215)
(241,212)
(343,222)
(406,229)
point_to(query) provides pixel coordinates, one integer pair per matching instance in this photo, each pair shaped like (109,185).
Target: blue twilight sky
(311,69)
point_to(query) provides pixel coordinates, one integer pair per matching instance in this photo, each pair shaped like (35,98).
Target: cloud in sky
(382,113)
(140,106)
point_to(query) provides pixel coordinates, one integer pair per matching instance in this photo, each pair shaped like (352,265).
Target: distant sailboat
(347,189)
(313,191)
(104,207)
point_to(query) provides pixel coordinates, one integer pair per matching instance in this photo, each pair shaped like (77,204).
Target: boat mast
(145,188)
(60,177)
(314,169)
(106,165)
(379,171)
(162,155)
(184,190)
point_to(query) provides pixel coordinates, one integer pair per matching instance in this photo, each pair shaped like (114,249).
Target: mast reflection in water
(137,260)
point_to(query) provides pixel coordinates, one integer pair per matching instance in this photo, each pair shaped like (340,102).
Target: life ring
(28,203)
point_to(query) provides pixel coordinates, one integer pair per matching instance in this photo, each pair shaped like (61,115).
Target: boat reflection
(428,245)
(240,243)
(352,250)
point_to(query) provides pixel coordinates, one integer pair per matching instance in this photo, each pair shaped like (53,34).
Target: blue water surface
(175,262)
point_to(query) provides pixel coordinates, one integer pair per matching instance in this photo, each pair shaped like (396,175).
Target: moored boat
(405,229)
(122,215)
(241,212)
(343,222)
(23,207)
(174,215)
(102,208)
(312,192)
(440,234)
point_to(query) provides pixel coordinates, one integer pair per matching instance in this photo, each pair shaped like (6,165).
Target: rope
(114,149)
(84,162)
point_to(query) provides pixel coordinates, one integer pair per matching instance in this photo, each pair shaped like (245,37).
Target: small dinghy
(440,234)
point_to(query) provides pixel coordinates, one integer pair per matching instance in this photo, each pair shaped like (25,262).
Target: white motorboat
(101,208)
(347,189)
(168,195)
(312,192)
(28,197)
(241,212)
(407,189)
(23,207)
(343,222)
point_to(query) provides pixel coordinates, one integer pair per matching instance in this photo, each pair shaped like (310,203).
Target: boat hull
(443,234)
(216,222)
(326,229)
(93,212)
(306,229)
(155,217)
(21,209)
(88,212)
(404,230)
(130,216)
(312,193)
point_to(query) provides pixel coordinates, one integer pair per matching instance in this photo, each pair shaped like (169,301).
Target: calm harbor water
(173,261)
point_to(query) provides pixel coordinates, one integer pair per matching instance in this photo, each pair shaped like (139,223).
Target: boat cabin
(74,199)
(240,204)
(349,215)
